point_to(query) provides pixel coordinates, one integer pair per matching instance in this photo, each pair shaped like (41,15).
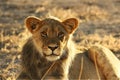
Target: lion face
(51,36)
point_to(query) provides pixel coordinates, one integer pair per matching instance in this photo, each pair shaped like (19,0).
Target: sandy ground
(99,24)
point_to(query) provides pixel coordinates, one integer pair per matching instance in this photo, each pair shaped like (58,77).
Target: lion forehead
(52,27)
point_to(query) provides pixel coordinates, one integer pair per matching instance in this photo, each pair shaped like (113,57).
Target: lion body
(51,45)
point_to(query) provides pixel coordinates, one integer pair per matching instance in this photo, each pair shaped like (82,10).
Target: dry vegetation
(99,24)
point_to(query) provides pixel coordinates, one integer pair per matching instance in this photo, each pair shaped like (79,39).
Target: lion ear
(70,24)
(32,23)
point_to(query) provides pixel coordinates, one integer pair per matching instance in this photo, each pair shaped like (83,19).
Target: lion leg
(106,61)
(83,68)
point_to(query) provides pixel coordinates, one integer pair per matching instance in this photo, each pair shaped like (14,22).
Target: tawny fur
(106,62)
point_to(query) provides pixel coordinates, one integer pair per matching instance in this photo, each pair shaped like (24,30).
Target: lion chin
(52,58)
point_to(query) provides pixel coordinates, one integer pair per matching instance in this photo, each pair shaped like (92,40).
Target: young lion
(48,54)
(49,45)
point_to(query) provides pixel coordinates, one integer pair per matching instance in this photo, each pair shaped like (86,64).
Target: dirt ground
(99,24)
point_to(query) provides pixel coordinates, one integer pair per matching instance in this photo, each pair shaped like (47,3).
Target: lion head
(51,36)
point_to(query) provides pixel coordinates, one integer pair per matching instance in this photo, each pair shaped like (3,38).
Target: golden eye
(43,34)
(60,34)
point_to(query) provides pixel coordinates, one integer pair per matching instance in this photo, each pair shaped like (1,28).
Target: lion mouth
(52,57)
(51,54)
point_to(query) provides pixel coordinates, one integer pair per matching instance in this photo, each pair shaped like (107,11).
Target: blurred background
(99,24)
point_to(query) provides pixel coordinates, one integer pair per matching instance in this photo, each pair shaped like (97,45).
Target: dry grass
(107,41)
(62,14)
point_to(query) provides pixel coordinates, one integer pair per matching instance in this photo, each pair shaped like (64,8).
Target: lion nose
(52,48)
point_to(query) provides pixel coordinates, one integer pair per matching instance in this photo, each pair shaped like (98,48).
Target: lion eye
(44,34)
(61,35)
